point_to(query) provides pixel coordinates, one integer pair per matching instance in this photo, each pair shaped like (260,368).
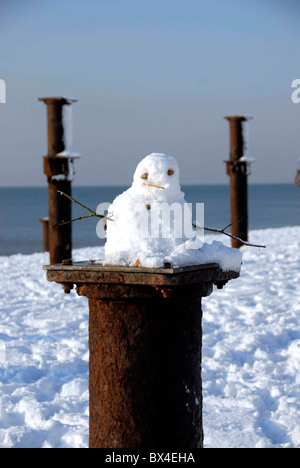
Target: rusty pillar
(145,342)
(297,178)
(58,170)
(238,172)
(45,224)
(145,371)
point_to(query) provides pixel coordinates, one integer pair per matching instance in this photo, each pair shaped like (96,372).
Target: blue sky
(150,76)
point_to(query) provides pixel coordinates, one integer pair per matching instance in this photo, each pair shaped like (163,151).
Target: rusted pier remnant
(145,341)
(58,167)
(45,224)
(238,171)
(297,178)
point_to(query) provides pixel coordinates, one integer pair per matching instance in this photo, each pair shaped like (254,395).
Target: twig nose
(154,185)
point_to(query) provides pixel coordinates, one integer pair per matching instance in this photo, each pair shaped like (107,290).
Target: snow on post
(151,224)
(67,119)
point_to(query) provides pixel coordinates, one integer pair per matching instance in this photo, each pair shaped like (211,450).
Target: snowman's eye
(170,172)
(145,176)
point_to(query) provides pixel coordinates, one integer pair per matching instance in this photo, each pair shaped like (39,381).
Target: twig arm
(222,231)
(78,203)
(63,223)
(93,215)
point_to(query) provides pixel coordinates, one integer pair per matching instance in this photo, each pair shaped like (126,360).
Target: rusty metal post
(145,342)
(238,172)
(58,170)
(297,178)
(45,223)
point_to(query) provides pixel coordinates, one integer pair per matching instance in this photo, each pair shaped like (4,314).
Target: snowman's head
(157,177)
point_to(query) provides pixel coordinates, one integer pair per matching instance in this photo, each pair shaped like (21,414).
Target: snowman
(147,223)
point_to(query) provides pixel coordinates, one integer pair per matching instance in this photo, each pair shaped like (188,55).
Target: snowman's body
(142,229)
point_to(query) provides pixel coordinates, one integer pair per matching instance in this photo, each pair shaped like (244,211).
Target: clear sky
(150,76)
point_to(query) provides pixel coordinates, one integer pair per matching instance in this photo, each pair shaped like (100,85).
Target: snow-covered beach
(251,352)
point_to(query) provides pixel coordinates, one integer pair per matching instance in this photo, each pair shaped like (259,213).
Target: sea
(270,206)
